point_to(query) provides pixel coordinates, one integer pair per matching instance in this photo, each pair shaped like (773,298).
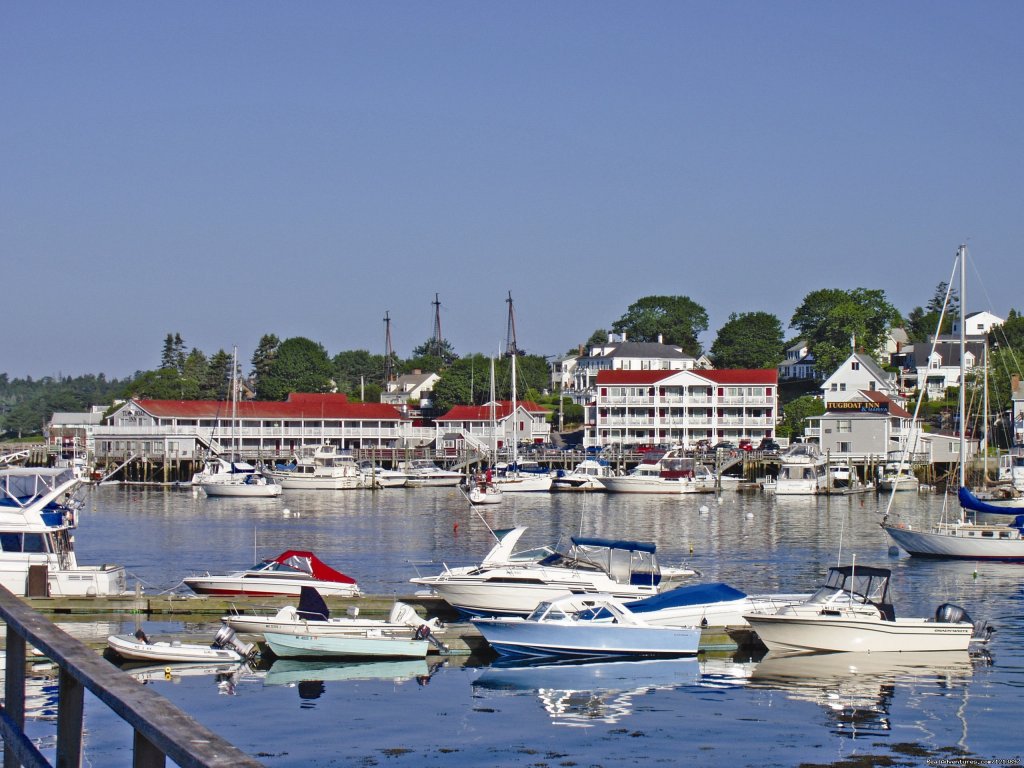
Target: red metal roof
(299,405)
(483,412)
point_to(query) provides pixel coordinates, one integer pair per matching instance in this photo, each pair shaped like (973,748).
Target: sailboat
(513,479)
(481,489)
(962,539)
(235,477)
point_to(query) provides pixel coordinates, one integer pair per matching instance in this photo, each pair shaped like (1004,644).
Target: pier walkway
(161,730)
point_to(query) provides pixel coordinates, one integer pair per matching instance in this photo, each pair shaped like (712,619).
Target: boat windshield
(539,612)
(861,584)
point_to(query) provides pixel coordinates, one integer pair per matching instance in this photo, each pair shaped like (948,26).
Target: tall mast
(962,258)
(389,352)
(234,403)
(494,420)
(437,326)
(511,347)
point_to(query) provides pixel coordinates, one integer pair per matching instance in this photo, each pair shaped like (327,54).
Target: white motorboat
(369,643)
(326,469)
(422,473)
(672,472)
(240,479)
(38,515)
(625,569)
(898,475)
(592,627)
(961,538)
(285,574)
(225,648)
(853,612)
(313,617)
(802,471)
(376,476)
(708,605)
(588,475)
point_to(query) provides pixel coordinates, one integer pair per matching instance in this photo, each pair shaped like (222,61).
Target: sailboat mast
(963,366)
(234,402)
(494,421)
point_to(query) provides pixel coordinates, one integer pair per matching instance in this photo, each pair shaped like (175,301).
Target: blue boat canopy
(969,501)
(636,546)
(696,594)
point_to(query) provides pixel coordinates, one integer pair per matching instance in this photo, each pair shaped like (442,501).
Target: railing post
(70,708)
(146,754)
(14,688)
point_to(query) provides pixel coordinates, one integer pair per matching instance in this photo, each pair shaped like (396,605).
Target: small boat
(853,612)
(313,617)
(422,473)
(225,648)
(239,479)
(897,475)
(285,574)
(366,644)
(588,475)
(484,493)
(376,476)
(708,605)
(628,570)
(326,469)
(672,473)
(802,472)
(591,626)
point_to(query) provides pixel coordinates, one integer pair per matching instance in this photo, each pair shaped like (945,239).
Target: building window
(844,425)
(842,386)
(845,447)
(855,366)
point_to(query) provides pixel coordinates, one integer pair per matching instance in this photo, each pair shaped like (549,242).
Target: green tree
(357,368)
(173,354)
(263,358)
(831,318)
(749,340)
(301,365)
(677,320)
(216,382)
(1009,335)
(433,350)
(795,414)
(162,384)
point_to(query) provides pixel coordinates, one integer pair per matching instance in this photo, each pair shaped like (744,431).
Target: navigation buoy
(286,511)
(750,515)
(703,509)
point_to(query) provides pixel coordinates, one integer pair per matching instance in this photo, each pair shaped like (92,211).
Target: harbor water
(716,710)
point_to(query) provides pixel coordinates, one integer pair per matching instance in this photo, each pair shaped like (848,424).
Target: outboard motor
(948,613)
(226,637)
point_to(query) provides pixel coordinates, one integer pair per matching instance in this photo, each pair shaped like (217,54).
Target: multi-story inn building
(527,424)
(637,407)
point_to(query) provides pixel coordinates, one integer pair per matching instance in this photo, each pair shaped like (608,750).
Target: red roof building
(530,425)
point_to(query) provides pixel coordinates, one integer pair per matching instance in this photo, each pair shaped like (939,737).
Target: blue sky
(229,169)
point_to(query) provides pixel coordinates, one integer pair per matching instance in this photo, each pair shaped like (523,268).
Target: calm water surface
(845,710)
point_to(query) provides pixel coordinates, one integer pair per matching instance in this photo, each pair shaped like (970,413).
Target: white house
(416,386)
(859,372)
(618,354)
(977,324)
(939,368)
(799,363)
(527,424)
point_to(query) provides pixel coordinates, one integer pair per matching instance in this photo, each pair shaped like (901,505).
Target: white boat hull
(265,587)
(516,637)
(355,646)
(727,613)
(674,486)
(128,647)
(430,482)
(523,483)
(313,483)
(860,634)
(960,542)
(242,490)
(504,595)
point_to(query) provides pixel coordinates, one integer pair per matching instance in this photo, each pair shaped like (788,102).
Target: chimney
(623,337)
(1014,382)
(610,335)
(661,339)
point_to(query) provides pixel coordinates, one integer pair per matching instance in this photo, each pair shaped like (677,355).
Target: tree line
(828,320)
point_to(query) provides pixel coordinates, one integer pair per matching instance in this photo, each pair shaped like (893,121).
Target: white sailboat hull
(960,541)
(668,485)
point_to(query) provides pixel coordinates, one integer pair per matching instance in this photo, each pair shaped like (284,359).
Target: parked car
(702,446)
(746,445)
(768,446)
(725,445)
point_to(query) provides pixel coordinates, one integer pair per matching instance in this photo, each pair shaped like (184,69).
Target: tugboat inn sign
(859,407)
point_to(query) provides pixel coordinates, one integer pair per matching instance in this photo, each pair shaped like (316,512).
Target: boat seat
(288,613)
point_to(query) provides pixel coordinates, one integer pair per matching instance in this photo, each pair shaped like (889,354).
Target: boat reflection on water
(857,690)
(585,693)
(226,674)
(308,677)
